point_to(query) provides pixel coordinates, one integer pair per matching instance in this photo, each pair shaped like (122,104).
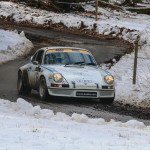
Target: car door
(35,69)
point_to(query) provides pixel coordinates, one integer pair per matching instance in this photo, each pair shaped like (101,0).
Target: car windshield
(68,58)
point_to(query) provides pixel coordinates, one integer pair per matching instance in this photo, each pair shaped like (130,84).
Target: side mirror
(35,62)
(105,66)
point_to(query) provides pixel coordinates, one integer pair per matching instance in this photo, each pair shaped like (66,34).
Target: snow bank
(23,108)
(126,92)
(25,127)
(13,45)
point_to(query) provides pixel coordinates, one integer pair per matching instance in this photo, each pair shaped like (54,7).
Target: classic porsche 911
(65,72)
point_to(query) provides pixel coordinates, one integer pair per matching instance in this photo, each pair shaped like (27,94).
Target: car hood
(80,75)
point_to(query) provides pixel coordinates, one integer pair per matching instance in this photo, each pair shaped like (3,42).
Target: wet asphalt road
(103,50)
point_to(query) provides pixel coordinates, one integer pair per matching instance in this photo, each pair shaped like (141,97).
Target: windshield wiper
(92,64)
(76,63)
(83,63)
(80,63)
(68,64)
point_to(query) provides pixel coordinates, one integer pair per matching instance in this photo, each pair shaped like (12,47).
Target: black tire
(107,100)
(43,92)
(21,86)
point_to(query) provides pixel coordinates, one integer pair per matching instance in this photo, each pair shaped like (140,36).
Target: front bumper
(82,93)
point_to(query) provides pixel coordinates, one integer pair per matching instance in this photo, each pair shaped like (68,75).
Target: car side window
(34,57)
(40,56)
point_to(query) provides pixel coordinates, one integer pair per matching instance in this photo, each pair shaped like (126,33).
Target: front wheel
(43,92)
(21,86)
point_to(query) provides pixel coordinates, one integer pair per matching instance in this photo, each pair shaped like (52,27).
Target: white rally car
(65,72)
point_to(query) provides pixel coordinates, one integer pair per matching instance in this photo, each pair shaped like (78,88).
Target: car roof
(65,49)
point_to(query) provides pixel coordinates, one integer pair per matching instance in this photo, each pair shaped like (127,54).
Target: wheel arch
(42,76)
(46,74)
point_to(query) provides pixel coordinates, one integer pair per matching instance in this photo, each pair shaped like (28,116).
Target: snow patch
(13,45)
(26,109)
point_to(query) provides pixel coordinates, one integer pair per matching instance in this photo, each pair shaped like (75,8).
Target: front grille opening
(107,87)
(65,85)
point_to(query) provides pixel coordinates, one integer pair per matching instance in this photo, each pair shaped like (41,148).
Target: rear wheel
(22,86)
(43,91)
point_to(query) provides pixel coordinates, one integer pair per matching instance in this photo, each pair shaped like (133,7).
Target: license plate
(87,94)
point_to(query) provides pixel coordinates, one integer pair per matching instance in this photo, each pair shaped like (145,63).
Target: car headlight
(57,77)
(109,79)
